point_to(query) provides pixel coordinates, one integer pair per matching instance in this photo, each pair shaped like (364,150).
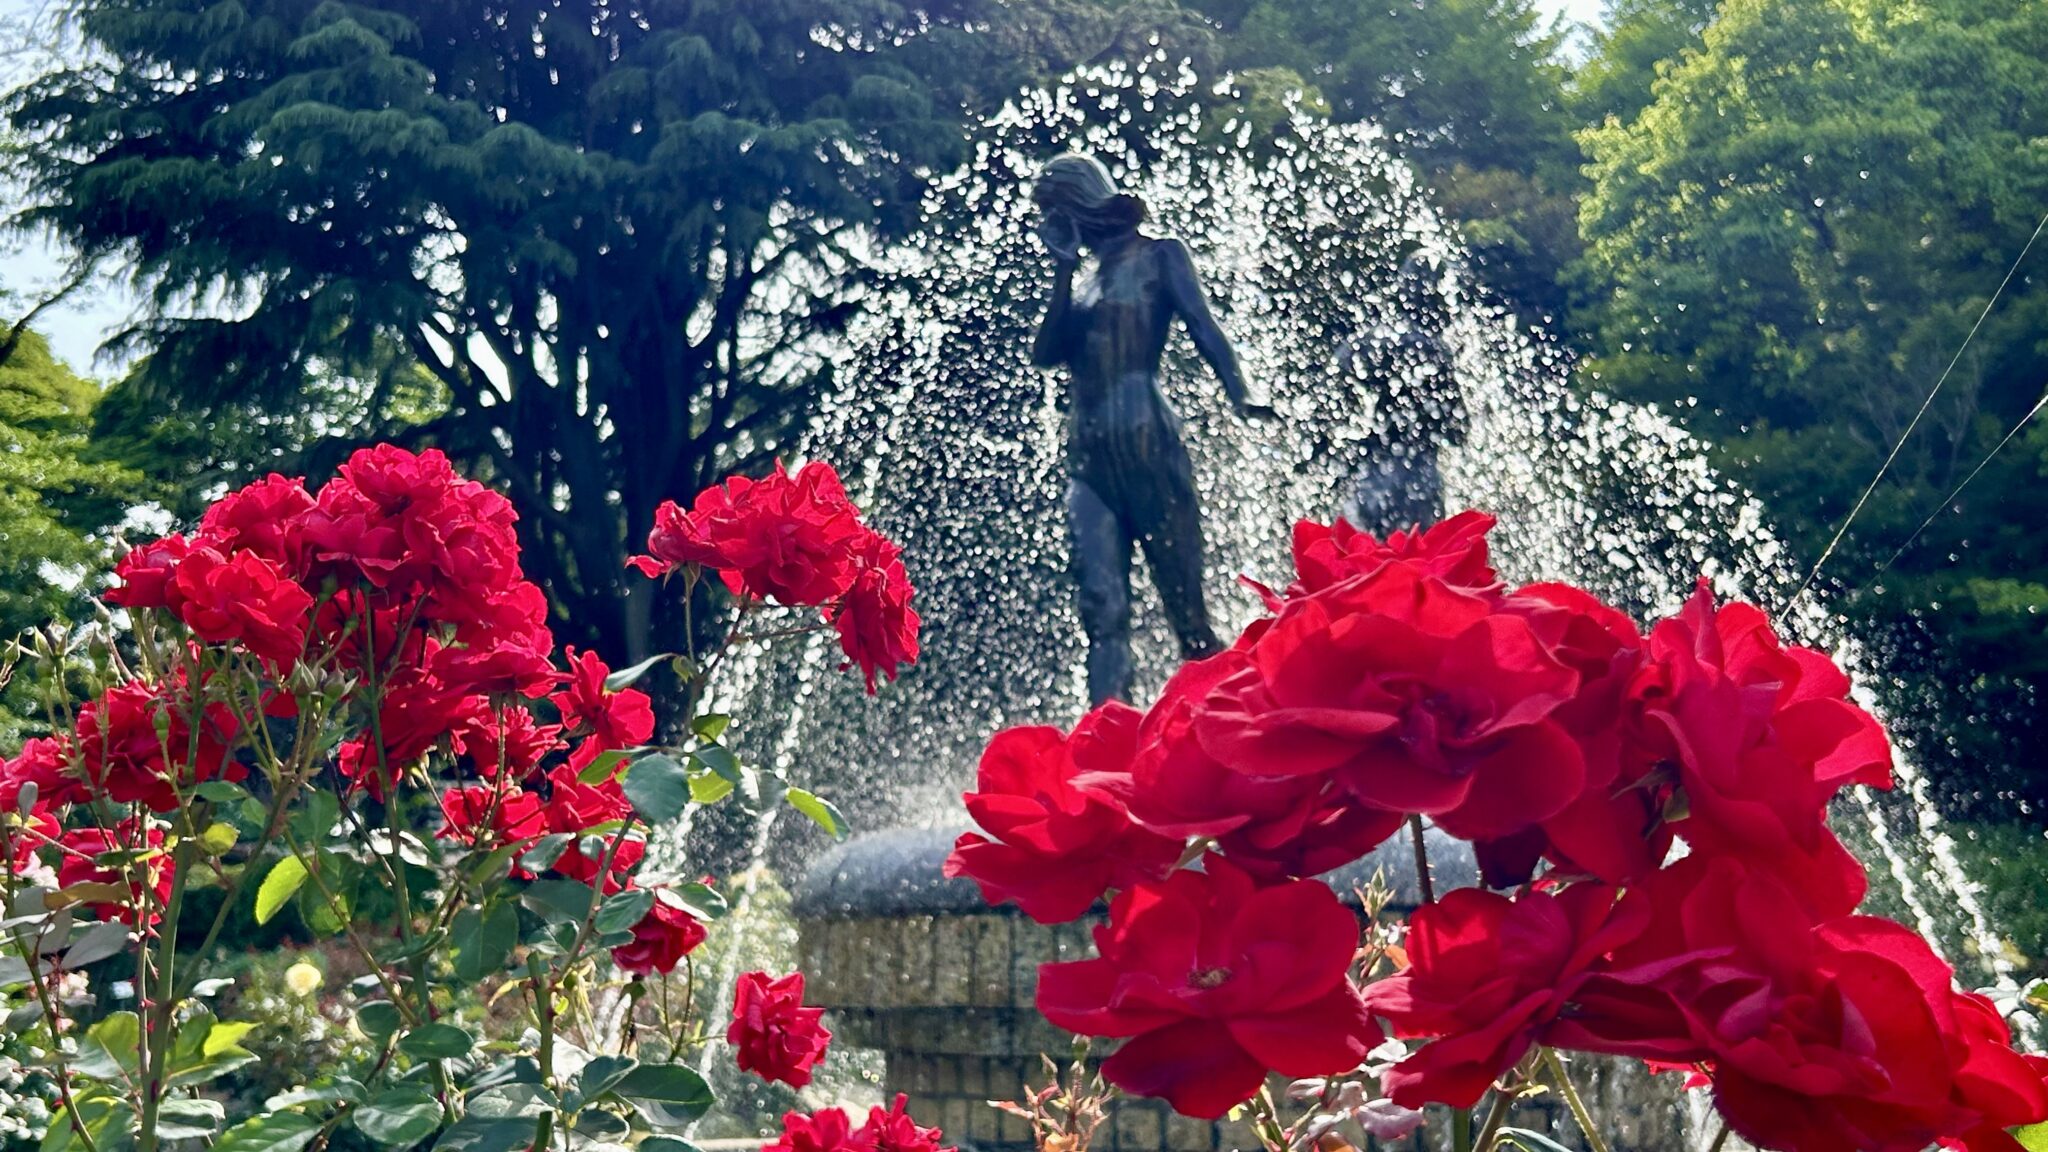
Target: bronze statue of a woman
(1129,480)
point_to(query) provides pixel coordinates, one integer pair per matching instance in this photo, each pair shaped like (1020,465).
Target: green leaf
(626,677)
(399,1116)
(207,1049)
(316,820)
(667,1144)
(98,942)
(701,900)
(720,759)
(218,839)
(1532,1141)
(602,1073)
(329,912)
(709,787)
(2033,1137)
(620,912)
(491,1134)
(109,1120)
(378,1019)
(658,787)
(437,1042)
(820,810)
(559,901)
(667,1095)
(339,1090)
(108,1053)
(278,1132)
(546,851)
(606,763)
(279,887)
(189,1118)
(222,792)
(483,940)
(711,725)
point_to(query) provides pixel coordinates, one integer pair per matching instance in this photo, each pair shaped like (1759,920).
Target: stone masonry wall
(948,999)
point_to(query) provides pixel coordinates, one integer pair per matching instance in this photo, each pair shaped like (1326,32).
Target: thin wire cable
(1949,499)
(1926,404)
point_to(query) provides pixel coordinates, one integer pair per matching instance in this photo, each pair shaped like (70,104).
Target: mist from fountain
(953,443)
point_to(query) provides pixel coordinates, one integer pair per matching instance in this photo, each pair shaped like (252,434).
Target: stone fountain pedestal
(920,968)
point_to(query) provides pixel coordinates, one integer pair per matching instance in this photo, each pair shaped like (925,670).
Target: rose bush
(1648,809)
(347,703)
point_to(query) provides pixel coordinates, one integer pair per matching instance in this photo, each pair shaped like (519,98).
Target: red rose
(127,760)
(1844,1033)
(781,537)
(578,809)
(1414,696)
(78,863)
(242,597)
(506,739)
(1271,826)
(892,1130)
(773,1035)
(416,713)
(1762,736)
(877,628)
(1454,551)
(662,937)
(406,526)
(1057,846)
(145,574)
(507,666)
(1613,829)
(607,720)
(44,761)
(826,1130)
(264,518)
(1215,982)
(1486,975)
(491,813)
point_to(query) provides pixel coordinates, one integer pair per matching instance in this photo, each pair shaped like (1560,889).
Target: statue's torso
(1121,316)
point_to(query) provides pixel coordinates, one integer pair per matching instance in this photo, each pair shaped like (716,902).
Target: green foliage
(1641,40)
(56,501)
(1798,232)
(1474,89)
(2009,860)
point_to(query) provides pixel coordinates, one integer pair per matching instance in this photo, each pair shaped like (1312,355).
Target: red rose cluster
(1402,678)
(398,586)
(796,540)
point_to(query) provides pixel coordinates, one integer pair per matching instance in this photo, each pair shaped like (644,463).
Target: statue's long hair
(1077,184)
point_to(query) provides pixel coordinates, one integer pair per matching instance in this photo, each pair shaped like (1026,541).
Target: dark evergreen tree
(619,236)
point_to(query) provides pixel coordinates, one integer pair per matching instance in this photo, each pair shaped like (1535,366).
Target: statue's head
(1078,187)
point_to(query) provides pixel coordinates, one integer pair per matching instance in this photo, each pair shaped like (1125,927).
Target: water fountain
(953,441)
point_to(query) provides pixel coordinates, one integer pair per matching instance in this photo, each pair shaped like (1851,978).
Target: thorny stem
(1496,1116)
(1720,1138)
(1461,1131)
(1422,877)
(1571,1097)
(63,1066)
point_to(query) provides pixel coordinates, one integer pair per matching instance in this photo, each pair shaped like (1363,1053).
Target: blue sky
(78,326)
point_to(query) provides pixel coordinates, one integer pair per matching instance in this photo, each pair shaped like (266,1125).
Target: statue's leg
(1172,539)
(1100,554)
